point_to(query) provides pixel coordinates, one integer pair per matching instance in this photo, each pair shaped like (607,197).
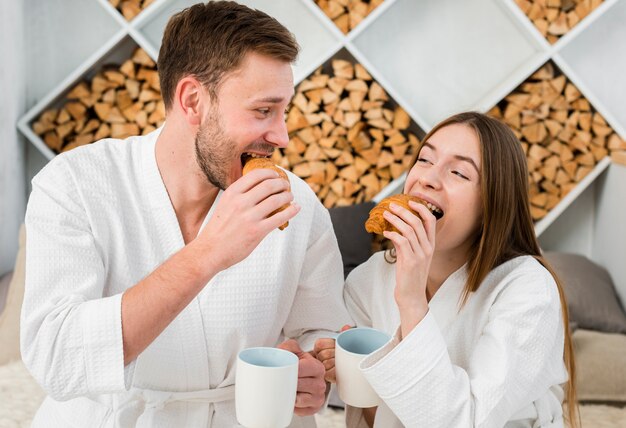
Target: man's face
(248,118)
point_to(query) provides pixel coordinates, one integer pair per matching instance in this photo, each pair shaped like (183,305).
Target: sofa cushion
(600,366)
(355,244)
(592,301)
(10,317)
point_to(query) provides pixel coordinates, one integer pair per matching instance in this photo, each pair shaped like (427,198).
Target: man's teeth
(254,155)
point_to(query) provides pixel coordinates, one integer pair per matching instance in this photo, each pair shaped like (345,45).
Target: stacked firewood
(346,138)
(554,18)
(561,134)
(347,14)
(130,8)
(118,102)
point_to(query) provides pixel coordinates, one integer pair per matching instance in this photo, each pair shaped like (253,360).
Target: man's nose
(277,135)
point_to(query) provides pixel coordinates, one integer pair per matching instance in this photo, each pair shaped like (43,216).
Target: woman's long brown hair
(507,229)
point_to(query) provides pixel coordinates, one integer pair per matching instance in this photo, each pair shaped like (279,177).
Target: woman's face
(448,174)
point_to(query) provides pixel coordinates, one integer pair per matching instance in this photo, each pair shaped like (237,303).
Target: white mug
(265,387)
(352,346)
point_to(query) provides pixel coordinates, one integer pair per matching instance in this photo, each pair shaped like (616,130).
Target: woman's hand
(415,244)
(324,350)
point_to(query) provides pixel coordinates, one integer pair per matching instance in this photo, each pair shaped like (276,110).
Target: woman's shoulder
(368,292)
(523,275)
(376,264)
(524,265)
(374,270)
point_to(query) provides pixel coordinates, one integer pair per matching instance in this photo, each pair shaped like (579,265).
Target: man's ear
(191,98)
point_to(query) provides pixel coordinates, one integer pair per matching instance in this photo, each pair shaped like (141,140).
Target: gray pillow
(592,301)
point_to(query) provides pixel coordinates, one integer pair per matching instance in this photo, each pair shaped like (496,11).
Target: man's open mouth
(248,155)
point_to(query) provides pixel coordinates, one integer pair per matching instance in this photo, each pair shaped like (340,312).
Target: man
(151,261)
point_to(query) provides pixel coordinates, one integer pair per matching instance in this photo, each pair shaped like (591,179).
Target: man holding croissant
(151,262)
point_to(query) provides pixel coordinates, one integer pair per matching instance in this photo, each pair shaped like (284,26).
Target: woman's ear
(190,98)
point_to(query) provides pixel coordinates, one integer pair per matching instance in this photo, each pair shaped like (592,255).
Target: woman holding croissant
(478,318)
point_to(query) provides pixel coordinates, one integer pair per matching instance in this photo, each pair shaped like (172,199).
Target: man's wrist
(202,259)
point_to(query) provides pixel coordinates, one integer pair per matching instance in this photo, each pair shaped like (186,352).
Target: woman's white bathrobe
(99,220)
(498,362)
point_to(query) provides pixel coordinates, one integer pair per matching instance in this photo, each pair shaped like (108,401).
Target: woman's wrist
(411,303)
(411,316)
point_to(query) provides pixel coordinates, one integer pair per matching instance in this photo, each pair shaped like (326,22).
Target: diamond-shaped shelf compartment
(347,14)
(554,18)
(349,139)
(597,60)
(315,39)
(118,97)
(55,50)
(130,8)
(446,56)
(561,133)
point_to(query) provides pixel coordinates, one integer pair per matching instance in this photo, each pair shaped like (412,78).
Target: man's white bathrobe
(99,220)
(496,363)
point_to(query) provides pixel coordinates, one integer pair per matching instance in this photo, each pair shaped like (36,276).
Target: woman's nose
(431,177)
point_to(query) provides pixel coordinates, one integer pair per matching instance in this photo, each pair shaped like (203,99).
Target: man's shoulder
(107,157)
(105,152)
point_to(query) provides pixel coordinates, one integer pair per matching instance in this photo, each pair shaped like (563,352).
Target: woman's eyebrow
(469,160)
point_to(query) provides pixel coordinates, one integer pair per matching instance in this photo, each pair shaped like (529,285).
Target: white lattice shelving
(433,57)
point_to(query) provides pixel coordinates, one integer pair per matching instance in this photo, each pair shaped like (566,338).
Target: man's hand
(324,350)
(242,216)
(311,393)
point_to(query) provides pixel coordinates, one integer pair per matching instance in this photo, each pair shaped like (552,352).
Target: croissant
(255,163)
(376,223)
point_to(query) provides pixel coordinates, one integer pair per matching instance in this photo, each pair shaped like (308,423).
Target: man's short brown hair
(207,40)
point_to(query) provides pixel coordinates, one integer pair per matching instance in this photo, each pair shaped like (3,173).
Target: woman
(480,320)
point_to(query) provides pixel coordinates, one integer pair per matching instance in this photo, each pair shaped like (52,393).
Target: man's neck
(189,191)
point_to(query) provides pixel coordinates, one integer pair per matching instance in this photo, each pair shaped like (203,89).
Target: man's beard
(214,151)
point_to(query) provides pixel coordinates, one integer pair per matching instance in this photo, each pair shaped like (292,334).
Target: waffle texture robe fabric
(99,220)
(498,362)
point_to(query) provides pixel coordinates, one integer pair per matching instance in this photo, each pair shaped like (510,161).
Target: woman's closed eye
(460,174)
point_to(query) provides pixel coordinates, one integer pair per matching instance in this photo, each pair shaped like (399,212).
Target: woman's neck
(441,267)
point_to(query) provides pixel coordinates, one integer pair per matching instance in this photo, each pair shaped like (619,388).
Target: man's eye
(423,160)
(263,111)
